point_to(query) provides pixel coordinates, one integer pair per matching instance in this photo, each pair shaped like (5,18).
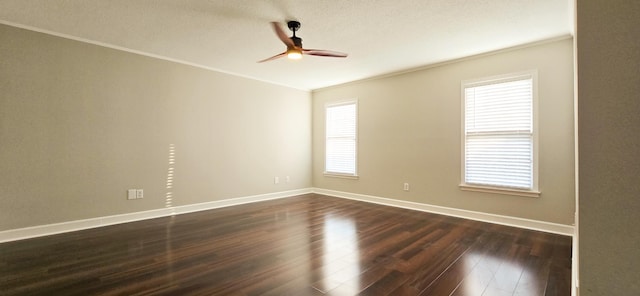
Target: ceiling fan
(294,45)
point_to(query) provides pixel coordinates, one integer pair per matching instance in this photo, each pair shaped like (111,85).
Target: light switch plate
(131,194)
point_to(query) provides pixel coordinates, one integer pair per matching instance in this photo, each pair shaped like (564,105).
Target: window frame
(339,174)
(534,190)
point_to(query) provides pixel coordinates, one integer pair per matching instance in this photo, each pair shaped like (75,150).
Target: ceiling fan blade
(274,57)
(324,53)
(285,39)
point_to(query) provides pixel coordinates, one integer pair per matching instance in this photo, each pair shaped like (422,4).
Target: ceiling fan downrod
(293,26)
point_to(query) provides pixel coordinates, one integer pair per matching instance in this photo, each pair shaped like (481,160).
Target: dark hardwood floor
(306,245)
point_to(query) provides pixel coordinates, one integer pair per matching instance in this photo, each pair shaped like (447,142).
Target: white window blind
(340,142)
(499,135)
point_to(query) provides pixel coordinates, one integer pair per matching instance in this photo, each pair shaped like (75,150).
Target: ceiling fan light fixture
(294,53)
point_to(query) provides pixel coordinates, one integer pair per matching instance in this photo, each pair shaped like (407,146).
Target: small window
(341,139)
(500,137)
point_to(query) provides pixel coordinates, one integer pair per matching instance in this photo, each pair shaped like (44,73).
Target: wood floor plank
(305,245)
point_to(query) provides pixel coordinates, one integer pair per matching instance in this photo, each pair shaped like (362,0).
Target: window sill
(496,190)
(343,176)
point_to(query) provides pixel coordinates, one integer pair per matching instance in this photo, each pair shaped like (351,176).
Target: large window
(341,139)
(500,137)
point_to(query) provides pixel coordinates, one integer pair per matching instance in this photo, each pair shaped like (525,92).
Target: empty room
(405,148)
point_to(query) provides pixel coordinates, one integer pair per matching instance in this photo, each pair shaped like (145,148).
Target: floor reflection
(489,275)
(341,260)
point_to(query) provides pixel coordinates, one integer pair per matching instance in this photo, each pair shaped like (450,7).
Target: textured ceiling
(381,36)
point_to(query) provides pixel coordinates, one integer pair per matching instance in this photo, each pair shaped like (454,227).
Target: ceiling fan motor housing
(297,41)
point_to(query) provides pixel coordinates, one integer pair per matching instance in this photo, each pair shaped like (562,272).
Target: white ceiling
(381,36)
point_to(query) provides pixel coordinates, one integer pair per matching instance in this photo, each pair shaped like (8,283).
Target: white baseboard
(478,216)
(49,229)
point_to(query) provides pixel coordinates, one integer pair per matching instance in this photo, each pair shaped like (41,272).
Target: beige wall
(608,47)
(80,124)
(410,131)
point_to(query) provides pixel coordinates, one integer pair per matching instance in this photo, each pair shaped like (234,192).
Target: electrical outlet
(131,194)
(405,187)
(276,180)
(139,193)
(287,179)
